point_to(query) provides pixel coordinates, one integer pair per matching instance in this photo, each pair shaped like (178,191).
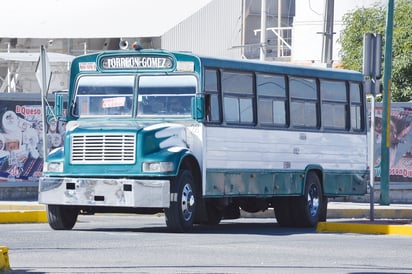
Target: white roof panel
(93,18)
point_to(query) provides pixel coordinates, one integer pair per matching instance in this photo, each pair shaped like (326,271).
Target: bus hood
(96,125)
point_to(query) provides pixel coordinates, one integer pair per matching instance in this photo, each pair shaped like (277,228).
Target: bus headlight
(158,166)
(53,167)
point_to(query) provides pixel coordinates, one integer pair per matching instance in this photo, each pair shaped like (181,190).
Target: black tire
(62,217)
(214,214)
(231,212)
(309,207)
(323,209)
(180,215)
(283,212)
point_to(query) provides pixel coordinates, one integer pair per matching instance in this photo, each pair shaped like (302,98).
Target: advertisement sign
(400,150)
(21,140)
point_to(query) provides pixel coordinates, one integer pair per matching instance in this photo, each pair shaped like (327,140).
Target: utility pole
(8,71)
(327,44)
(386,126)
(263,31)
(280,32)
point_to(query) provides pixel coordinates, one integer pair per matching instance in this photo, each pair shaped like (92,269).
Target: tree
(373,20)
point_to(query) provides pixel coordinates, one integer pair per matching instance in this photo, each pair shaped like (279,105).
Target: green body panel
(231,183)
(338,183)
(235,183)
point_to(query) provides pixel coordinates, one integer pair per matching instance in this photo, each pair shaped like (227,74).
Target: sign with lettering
(136,62)
(87,66)
(21,138)
(113,102)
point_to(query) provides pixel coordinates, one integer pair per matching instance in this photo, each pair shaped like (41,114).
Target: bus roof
(283,68)
(235,64)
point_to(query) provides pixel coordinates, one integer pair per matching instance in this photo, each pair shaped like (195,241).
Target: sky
(93,18)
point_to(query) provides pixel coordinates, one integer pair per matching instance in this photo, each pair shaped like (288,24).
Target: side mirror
(198,108)
(58,104)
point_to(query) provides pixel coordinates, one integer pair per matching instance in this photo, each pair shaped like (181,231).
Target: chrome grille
(103,148)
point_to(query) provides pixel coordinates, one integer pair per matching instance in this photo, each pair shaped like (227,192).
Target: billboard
(400,150)
(21,137)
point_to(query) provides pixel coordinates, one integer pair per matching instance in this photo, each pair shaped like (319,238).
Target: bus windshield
(158,95)
(104,96)
(166,95)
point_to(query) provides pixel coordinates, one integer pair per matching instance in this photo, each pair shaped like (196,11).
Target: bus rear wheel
(181,213)
(310,207)
(62,217)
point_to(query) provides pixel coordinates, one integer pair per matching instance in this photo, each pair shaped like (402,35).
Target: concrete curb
(365,228)
(36,216)
(348,213)
(24,212)
(15,206)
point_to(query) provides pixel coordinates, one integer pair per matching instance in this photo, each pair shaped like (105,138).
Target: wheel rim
(188,202)
(313,200)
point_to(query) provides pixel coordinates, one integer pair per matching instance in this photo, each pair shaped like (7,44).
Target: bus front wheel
(181,213)
(62,217)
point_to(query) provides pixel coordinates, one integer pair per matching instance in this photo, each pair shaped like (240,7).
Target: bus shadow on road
(251,227)
(239,226)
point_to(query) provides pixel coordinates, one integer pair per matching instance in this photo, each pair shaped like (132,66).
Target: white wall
(308,22)
(214,30)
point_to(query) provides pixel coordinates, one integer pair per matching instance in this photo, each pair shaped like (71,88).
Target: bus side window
(212,90)
(271,92)
(238,97)
(356,107)
(208,111)
(304,102)
(334,104)
(212,108)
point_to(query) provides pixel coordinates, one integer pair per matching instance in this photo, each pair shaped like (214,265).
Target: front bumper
(104,192)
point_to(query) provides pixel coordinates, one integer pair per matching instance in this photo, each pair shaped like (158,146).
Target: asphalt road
(141,244)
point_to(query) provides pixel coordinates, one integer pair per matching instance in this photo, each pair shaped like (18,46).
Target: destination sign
(136,62)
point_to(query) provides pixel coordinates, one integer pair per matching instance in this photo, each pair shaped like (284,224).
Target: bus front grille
(103,148)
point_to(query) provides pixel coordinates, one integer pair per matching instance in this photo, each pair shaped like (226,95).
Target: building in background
(230,28)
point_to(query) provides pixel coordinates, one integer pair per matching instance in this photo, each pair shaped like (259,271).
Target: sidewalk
(342,217)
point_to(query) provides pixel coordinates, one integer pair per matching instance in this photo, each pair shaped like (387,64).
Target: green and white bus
(202,138)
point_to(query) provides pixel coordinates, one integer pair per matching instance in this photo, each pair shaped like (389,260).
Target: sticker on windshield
(113,102)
